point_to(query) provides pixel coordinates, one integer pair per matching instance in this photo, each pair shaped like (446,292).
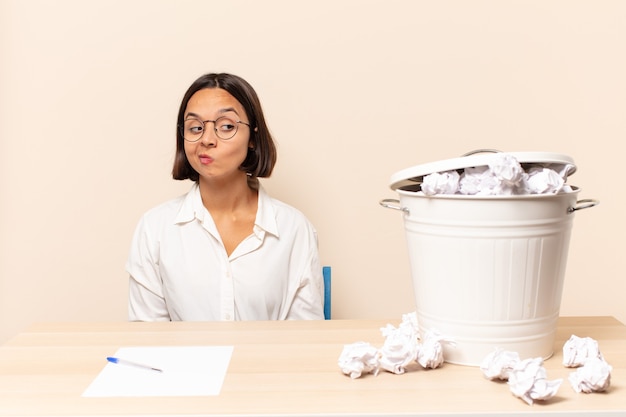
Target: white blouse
(179,268)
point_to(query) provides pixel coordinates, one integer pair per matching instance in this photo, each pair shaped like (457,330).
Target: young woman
(225,250)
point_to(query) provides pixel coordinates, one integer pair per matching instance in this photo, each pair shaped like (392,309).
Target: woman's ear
(250,144)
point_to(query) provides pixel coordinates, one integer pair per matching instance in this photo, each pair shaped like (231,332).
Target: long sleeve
(146,301)
(308,303)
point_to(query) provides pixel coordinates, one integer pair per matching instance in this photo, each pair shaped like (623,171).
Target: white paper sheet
(187,371)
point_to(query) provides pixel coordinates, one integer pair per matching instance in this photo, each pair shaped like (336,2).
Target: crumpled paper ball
(399,349)
(577,350)
(507,171)
(543,181)
(409,321)
(441,183)
(593,376)
(478,181)
(528,381)
(430,352)
(499,364)
(359,358)
(401,344)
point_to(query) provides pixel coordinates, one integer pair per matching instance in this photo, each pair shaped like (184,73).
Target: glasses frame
(204,122)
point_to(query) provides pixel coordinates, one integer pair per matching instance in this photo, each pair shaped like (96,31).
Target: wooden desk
(283,368)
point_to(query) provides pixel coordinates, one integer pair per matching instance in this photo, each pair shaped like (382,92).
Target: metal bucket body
(488,272)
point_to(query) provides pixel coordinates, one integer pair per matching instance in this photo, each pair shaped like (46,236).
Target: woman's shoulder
(168,209)
(286,208)
(287,213)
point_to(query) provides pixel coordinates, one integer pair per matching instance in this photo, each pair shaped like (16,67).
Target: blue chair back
(327,283)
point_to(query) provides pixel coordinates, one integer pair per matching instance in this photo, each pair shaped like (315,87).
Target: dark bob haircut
(261,156)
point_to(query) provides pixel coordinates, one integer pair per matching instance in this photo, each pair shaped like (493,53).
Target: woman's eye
(194,128)
(225,125)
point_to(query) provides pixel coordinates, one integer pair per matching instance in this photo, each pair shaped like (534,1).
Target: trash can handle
(583,204)
(481,151)
(392,203)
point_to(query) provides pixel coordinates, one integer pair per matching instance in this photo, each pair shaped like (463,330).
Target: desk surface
(283,368)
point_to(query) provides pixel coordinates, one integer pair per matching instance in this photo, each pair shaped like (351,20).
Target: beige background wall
(354,91)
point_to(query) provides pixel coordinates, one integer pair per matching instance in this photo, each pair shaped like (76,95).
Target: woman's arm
(145,299)
(145,305)
(308,303)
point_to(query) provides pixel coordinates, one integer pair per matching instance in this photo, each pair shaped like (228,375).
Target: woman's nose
(209,137)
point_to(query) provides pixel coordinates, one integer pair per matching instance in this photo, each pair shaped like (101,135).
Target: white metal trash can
(487,271)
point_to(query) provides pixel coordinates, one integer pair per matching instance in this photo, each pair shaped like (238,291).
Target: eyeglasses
(225,128)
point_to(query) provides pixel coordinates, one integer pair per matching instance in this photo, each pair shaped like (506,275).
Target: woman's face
(215,158)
